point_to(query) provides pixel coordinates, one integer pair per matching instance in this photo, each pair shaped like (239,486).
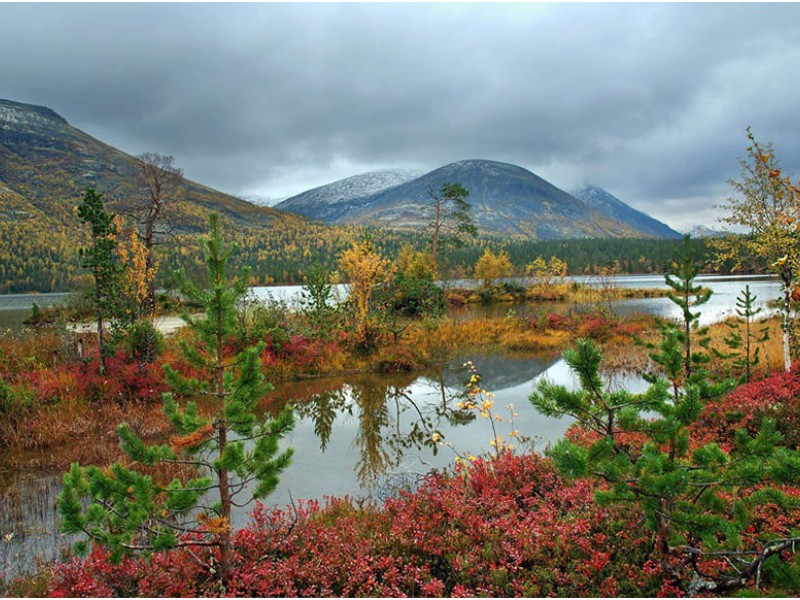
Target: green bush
(143,341)
(263,322)
(411,296)
(15,402)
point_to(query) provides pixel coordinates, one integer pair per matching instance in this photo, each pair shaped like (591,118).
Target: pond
(367,434)
(15,308)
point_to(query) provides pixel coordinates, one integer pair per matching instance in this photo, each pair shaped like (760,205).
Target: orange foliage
(192,440)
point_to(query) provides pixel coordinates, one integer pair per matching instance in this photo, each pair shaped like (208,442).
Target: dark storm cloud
(649,101)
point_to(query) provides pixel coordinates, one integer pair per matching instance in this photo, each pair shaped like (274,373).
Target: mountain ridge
(50,163)
(326,202)
(507,200)
(600,199)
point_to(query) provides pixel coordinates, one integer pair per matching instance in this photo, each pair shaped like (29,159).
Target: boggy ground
(52,401)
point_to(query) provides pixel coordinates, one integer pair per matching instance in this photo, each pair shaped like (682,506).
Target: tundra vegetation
(690,487)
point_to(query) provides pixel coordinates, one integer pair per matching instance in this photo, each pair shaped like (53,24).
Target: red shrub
(97,577)
(502,527)
(560,322)
(776,397)
(596,327)
(125,379)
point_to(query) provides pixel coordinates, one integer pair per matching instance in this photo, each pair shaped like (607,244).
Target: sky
(648,101)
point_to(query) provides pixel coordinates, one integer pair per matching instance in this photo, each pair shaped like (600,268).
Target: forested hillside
(46,165)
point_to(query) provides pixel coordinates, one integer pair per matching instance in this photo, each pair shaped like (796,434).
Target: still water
(365,434)
(14,308)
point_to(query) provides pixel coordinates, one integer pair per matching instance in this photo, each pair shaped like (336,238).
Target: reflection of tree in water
(375,457)
(391,422)
(498,371)
(322,411)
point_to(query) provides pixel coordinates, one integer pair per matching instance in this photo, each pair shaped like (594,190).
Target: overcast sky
(649,101)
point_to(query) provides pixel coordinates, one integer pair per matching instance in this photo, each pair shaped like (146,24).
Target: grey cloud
(650,101)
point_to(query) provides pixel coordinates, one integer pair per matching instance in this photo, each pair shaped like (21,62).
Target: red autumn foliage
(556,321)
(125,379)
(596,327)
(508,526)
(301,353)
(776,397)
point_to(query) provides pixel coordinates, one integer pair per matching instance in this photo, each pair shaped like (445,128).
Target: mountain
(506,200)
(260,200)
(332,202)
(602,201)
(701,231)
(46,165)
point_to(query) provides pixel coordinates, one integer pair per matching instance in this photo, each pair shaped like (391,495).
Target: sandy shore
(165,325)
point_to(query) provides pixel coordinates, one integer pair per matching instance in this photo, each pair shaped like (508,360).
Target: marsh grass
(623,355)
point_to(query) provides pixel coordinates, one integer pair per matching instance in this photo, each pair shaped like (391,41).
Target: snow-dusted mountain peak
(349,188)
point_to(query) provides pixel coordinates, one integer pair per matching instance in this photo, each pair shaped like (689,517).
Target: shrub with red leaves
(595,327)
(776,397)
(506,526)
(124,380)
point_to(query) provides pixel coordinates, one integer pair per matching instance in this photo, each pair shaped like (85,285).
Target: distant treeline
(275,260)
(584,256)
(35,257)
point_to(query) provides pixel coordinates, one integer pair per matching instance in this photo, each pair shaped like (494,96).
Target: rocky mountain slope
(602,201)
(506,200)
(332,202)
(46,165)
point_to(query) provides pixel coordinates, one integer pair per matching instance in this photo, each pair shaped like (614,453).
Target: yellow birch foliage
(546,273)
(491,267)
(364,268)
(418,265)
(138,277)
(766,209)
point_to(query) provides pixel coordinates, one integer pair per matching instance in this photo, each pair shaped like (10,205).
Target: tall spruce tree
(235,450)
(687,296)
(691,496)
(99,258)
(745,335)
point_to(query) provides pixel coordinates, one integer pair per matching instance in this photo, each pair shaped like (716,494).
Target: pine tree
(99,258)
(316,295)
(743,344)
(690,496)
(452,220)
(235,449)
(687,295)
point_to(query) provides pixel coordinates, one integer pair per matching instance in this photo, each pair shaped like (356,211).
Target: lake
(366,434)
(14,308)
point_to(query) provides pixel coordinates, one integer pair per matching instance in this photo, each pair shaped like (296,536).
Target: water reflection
(352,436)
(29,523)
(390,421)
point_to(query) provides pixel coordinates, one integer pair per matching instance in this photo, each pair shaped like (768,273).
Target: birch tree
(766,210)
